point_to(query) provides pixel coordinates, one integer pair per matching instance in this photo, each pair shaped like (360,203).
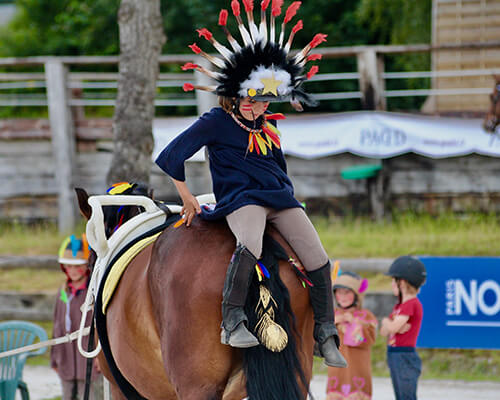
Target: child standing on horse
(248,169)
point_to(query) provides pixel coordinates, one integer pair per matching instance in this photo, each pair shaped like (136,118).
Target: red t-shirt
(413,309)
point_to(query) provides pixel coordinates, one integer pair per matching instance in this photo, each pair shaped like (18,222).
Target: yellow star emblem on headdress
(271,85)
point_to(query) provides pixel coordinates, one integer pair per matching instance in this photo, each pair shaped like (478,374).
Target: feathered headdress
(262,68)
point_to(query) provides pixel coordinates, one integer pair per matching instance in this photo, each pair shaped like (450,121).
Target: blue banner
(461,301)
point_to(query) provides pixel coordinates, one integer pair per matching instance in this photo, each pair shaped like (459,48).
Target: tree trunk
(141,41)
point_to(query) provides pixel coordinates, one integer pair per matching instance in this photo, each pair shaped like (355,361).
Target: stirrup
(240,337)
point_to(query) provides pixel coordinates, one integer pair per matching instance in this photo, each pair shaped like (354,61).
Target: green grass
(30,240)
(444,235)
(31,281)
(349,237)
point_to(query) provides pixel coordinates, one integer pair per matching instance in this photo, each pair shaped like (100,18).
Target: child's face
(344,297)
(251,109)
(75,272)
(395,288)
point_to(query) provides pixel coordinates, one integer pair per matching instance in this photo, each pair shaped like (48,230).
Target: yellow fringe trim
(270,334)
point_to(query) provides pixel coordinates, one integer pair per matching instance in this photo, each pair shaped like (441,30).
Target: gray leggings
(249,222)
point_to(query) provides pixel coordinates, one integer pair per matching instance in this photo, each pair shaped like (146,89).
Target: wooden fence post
(63,142)
(371,83)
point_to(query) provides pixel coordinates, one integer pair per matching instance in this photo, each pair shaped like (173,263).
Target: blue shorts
(405,366)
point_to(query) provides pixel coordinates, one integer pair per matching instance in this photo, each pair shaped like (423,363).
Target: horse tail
(274,375)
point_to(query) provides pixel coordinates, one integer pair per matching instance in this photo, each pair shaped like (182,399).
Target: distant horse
(493,117)
(164,322)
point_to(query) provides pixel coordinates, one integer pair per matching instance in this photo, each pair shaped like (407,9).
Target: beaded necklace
(261,139)
(242,125)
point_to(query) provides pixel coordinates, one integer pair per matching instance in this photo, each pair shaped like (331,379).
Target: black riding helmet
(410,269)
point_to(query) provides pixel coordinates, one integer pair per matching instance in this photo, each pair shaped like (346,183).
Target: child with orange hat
(357,328)
(65,359)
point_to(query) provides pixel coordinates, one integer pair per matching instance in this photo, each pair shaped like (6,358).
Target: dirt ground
(43,384)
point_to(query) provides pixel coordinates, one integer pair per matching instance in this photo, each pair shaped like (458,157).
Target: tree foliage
(75,27)
(62,27)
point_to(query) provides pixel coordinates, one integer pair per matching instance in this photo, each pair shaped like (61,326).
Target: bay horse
(493,116)
(163,323)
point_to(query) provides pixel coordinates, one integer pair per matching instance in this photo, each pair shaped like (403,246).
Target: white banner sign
(368,134)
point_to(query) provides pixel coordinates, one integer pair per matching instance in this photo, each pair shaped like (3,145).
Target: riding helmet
(410,269)
(74,251)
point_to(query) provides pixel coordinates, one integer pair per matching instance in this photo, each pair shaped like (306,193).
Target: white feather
(254,80)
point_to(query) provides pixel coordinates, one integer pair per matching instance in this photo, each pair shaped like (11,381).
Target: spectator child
(65,359)
(357,329)
(403,325)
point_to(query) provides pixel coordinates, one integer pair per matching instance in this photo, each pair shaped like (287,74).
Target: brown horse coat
(164,319)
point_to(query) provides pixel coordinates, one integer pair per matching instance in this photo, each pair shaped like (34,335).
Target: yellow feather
(335,272)
(262,144)
(273,128)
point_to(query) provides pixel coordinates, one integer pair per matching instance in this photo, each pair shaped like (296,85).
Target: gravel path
(43,383)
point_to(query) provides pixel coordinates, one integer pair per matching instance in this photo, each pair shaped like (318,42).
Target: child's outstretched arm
(190,206)
(392,326)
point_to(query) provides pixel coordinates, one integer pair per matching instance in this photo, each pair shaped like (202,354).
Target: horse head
(115,216)
(493,116)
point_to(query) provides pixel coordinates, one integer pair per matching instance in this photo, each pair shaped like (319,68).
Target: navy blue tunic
(239,178)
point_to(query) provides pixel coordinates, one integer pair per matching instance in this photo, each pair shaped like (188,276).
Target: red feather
(223,17)
(188,66)
(298,26)
(188,87)
(318,38)
(264,4)
(274,138)
(235,6)
(195,48)
(292,10)
(276,7)
(256,144)
(248,5)
(314,57)
(275,116)
(313,71)
(205,33)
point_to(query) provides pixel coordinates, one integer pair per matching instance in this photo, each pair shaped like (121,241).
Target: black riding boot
(325,331)
(238,278)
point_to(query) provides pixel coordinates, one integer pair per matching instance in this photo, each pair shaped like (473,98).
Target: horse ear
(83,203)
